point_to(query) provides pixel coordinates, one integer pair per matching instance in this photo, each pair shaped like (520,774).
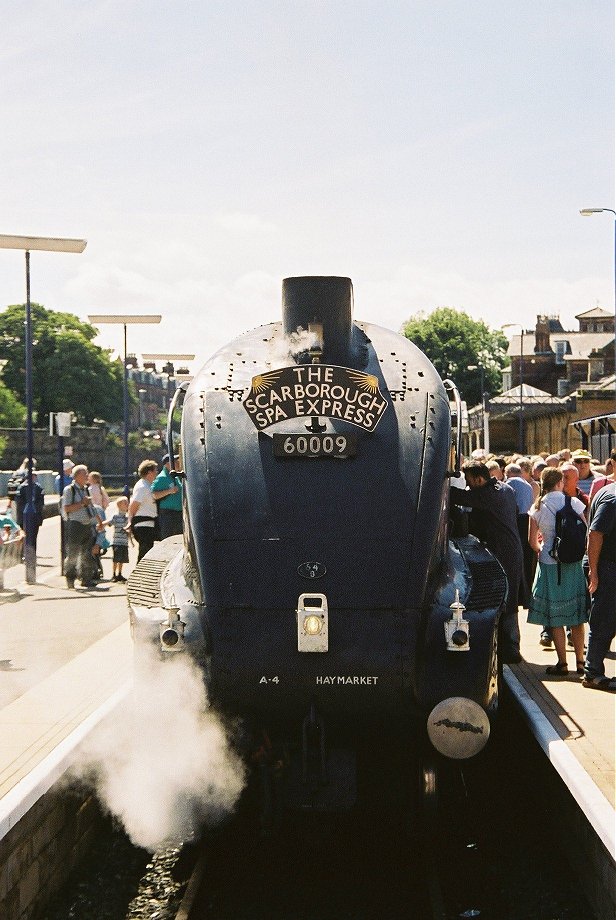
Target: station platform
(63,654)
(584,719)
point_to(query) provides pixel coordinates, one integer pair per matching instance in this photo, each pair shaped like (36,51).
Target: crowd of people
(153,512)
(85,508)
(531,512)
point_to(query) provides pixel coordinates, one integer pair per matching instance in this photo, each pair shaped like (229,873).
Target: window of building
(561,350)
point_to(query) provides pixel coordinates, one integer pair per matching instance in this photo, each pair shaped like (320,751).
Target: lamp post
(27,244)
(125,319)
(588,212)
(168,356)
(484,415)
(521,409)
(142,393)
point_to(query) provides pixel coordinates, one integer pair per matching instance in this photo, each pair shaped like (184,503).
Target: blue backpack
(569,537)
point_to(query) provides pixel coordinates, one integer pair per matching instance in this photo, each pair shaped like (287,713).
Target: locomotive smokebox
(327,301)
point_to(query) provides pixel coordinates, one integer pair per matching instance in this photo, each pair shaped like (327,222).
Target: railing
(10,555)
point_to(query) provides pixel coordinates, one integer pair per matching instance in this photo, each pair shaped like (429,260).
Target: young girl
(119,522)
(554,606)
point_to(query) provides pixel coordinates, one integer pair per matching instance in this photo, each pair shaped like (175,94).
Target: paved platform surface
(62,655)
(584,719)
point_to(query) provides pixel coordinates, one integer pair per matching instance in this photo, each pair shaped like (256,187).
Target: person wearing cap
(582,459)
(65,478)
(167,493)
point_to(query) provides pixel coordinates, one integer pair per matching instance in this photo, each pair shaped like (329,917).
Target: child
(119,521)
(101,543)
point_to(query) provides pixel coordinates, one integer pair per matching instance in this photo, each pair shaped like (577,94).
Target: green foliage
(139,442)
(453,341)
(12,412)
(69,372)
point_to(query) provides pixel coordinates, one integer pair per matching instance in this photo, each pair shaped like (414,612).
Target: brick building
(556,360)
(566,376)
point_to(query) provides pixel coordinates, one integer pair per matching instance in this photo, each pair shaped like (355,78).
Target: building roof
(509,397)
(534,402)
(604,383)
(595,313)
(580,343)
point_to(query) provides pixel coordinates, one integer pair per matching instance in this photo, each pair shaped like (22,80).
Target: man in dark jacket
(493,520)
(38,500)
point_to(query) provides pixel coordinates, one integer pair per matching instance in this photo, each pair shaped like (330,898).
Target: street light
(484,415)
(588,212)
(125,319)
(27,244)
(142,393)
(169,356)
(521,418)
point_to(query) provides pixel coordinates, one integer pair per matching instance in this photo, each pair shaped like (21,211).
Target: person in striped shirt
(119,543)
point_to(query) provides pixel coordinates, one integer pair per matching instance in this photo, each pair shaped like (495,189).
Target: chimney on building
(542,335)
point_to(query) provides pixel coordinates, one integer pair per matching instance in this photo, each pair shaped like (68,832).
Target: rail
(452,391)
(10,554)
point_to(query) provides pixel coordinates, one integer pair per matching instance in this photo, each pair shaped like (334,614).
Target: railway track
(485,849)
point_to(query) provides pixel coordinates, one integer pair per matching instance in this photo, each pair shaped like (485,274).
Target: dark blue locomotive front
(317,584)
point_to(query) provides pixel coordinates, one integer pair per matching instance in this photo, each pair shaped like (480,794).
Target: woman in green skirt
(556,602)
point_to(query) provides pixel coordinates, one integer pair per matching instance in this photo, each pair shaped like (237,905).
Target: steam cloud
(163,764)
(282,347)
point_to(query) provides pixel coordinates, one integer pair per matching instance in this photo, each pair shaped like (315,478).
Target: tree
(453,341)
(12,412)
(69,372)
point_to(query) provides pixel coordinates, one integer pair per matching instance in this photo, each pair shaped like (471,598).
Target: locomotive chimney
(324,300)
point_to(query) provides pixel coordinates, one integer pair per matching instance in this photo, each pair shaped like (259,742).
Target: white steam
(163,764)
(281,349)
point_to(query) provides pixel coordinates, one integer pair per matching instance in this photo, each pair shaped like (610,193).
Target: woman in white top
(142,511)
(556,602)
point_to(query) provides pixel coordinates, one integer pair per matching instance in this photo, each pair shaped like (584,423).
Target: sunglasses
(581,460)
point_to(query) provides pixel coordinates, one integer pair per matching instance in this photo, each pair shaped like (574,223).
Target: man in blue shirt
(602,587)
(167,493)
(523,499)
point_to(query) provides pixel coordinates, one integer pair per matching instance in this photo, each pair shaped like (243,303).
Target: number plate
(307,446)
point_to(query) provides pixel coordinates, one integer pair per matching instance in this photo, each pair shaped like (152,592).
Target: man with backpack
(602,587)
(78,513)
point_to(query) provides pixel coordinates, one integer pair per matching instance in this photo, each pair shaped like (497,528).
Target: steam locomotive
(317,583)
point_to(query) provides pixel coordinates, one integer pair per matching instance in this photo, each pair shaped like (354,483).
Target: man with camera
(78,513)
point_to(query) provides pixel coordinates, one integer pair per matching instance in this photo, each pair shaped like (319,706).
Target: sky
(437,153)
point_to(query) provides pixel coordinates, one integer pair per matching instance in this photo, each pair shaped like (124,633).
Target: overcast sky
(435,151)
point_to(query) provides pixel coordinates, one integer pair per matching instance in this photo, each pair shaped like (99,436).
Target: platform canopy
(532,402)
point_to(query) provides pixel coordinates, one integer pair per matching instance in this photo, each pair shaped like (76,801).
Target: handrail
(452,389)
(180,392)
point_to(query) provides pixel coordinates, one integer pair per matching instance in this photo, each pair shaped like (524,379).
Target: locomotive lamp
(172,632)
(312,623)
(457,629)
